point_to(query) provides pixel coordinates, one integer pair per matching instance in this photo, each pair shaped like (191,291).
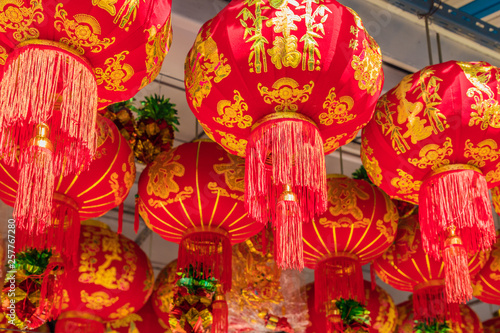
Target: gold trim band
(45,42)
(195,230)
(431,283)
(454,167)
(338,255)
(284,116)
(79,314)
(66,200)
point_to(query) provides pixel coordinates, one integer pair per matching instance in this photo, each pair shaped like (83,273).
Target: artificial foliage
(361,174)
(431,327)
(353,312)
(32,261)
(121,115)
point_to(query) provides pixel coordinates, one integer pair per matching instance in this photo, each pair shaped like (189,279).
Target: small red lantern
(359,225)
(405,266)
(113,278)
(311,76)
(492,325)
(383,314)
(486,283)
(468,321)
(59,63)
(440,126)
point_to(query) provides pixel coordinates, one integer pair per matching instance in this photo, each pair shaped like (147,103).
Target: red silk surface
(486,283)
(492,325)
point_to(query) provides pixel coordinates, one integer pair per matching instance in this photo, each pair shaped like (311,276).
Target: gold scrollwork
(215,189)
(15,16)
(125,16)
(83,31)
(345,222)
(234,172)
(370,162)
(343,198)
(337,109)
(388,233)
(367,67)
(230,142)
(97,300)
(333,142)
(3,55)
(115,74)
(158,44)
(122,312)
(232,114)
(493,176)
(486,150)
(207,130)
(182,195)
(433,155)
(405,184)
(286,93)
(118,191)
(162,172)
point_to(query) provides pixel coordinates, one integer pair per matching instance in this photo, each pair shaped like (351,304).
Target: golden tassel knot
(452,238)
(41,138)
(219,293)
(333,312)
(287,194)
(56,258)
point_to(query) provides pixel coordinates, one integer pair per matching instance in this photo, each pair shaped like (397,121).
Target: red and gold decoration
(468,321)
(382,314)
(194,195)
(359,225)
(121,115)
(59,63)
(4,324)
(144,321)
(405,266)
(486,283)
(440,125)
(112,279)
(311,75)
(264,297)
(492,325)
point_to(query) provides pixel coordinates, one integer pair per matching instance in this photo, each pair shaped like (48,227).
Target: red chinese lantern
(359,225)
(112,279)
(405,266)
(162,297)
(59,63)
(486,283)
(383,314)
(193,195)
(468,321)
(492,325)
(439,124)
(144,321)
(282,84)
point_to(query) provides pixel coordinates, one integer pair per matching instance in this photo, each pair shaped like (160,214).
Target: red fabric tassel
(456,270)
(120,219)
(289,245)
(207,250)
(460,199)
(220,315)
(136,216)
(264,240)
(338,277)
(372,277)
(334,324)
(429,303)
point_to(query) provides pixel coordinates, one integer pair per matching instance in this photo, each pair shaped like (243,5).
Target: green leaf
(32,261)
(361,174)
(353,312)
(158,108)
(431,327)
(122,105)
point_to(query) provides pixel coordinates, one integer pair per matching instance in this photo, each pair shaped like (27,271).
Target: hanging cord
(440,54)
(432,10)
(341,161)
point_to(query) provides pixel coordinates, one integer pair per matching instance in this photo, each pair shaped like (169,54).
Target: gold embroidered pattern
(332,143)
(286,93)
(486,150)
(122,312)
(367,67)
(98,300)
(337,109)
(207,130)
(182,195)
(285,44)
(125,16)
(203,65)
(370,163)
(83,31)
(158,44)
(405,183)
(493,176)
(212,186)
(231,143)
(343,198)
(115,74)
(383,117)
(3,55)
(14,16)
(118,191)
(234,172)
(232,114)
(433,155)
(162,172)
(344,222)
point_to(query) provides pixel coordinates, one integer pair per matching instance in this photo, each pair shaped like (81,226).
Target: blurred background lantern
(486,283)
(467,322)
(492,325)
(162,298)
(439,124)
(63,62)
(382,311)
(405,266)
(112,279)
(358,226)
(281,84)
(264,298)
(193,195)
(144,321)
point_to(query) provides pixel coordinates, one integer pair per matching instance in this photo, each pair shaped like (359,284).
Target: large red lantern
(492,325)
(193,195)
(282,84)
(59,63)
(162,298)
(468,321)
(359,225)
(112,279)
(405,266)
(440,125)
(486,283)
(383,314)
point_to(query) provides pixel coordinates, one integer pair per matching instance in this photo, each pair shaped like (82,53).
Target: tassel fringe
(456,270)
(289,244)
(429,303)
(220,315)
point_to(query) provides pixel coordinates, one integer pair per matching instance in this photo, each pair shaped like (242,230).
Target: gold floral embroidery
(405,183)
(433,155)
(162,172)
(124,322)
(367,67)
(115,74)
(125,16)
(370,163)
(215,189)
(122,312)
(344,222)
(383,117)
(3,55)
(129,175)
(158,44)
(83,31)
(495,198)
(286,93)
(207,130)
(390,232)
(232,114)
(15,16)
(182,195)
(486,150)
(234,172)
(337,109)
(98,300)
(343,198)
(230,142)
(493,176)
(118,191)
(332,143)
(285,44)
